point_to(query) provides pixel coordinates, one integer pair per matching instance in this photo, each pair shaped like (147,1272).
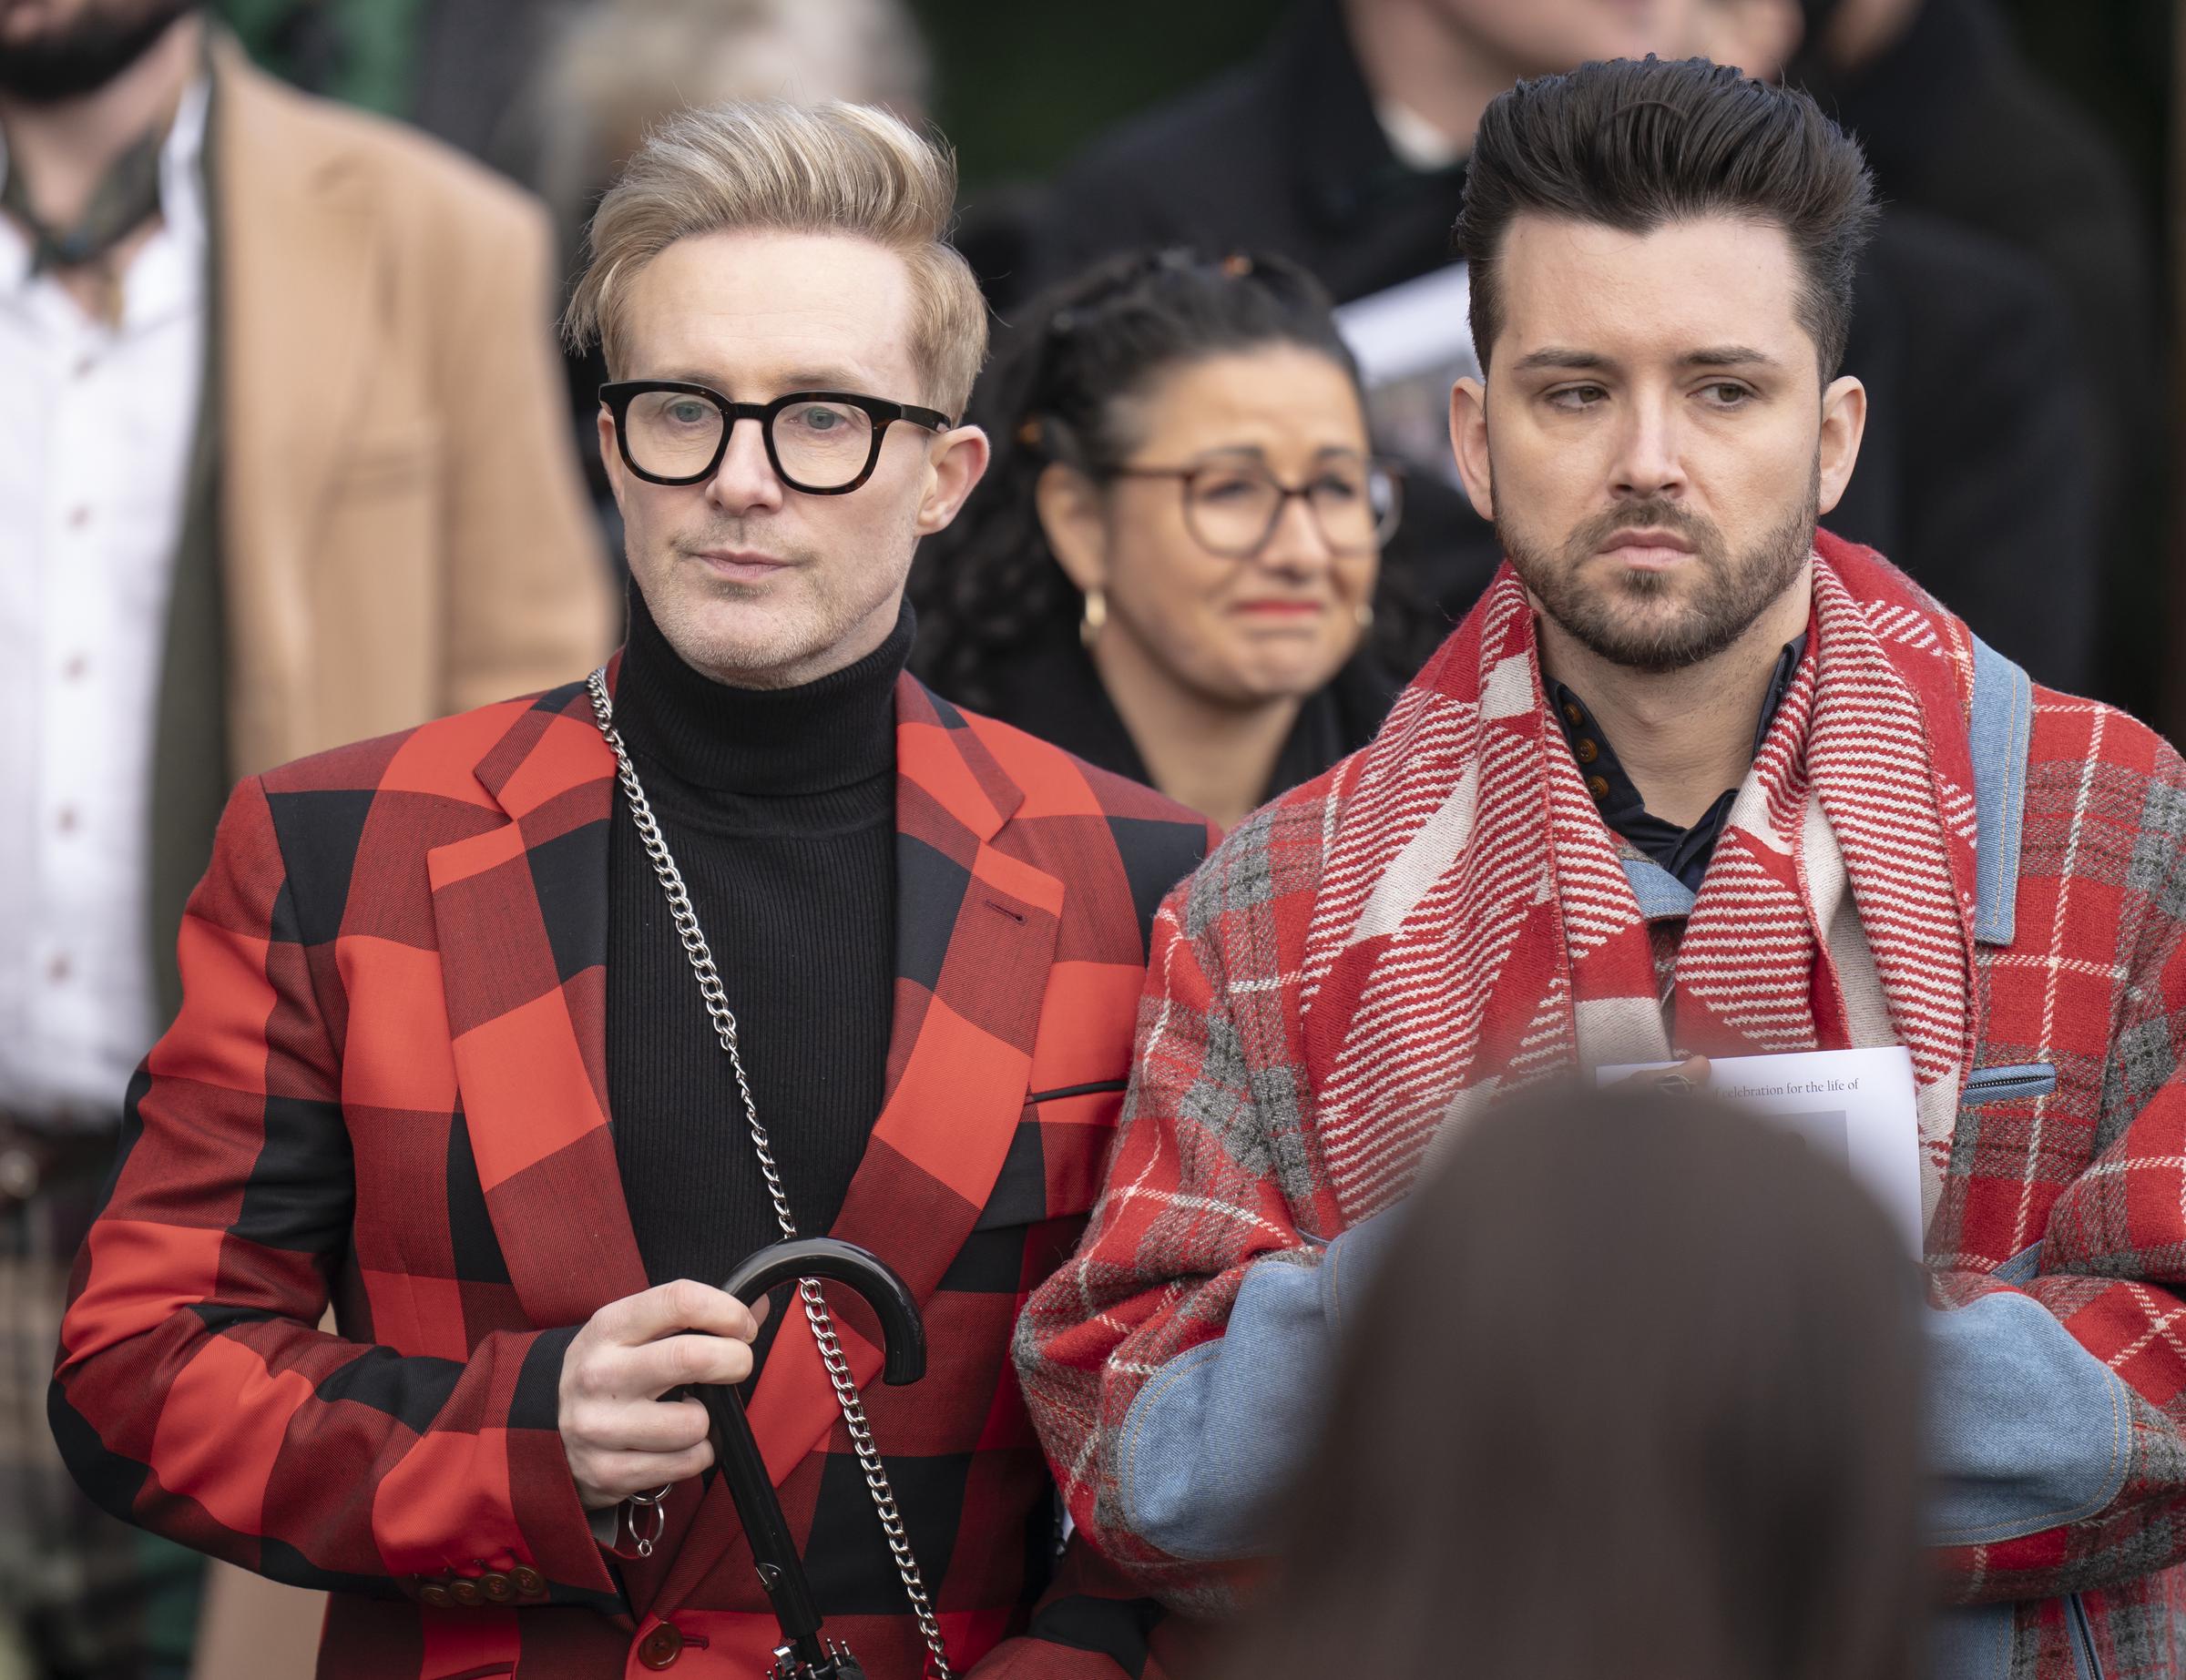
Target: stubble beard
(1723,602)
(758,634)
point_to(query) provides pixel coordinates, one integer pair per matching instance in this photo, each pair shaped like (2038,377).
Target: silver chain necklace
(808,1289)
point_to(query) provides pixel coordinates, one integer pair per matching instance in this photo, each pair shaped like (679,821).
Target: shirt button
(436,1596)
(661,1648)
(1587,751)
(1599,787)
(78,517)
(466,1592)
(1573,715)
(528,1581)
(65,820)
(84,365)
(73,667)
(497,1587)
(59,968)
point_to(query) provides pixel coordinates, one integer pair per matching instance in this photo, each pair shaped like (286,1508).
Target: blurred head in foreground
(1636,1393)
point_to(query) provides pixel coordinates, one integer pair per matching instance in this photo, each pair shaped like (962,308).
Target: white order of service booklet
(1854,1108)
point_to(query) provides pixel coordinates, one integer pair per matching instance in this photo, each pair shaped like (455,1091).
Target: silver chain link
(808,1289)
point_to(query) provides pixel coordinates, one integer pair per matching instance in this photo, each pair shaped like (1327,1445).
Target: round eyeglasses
(822,442)
(1232,509)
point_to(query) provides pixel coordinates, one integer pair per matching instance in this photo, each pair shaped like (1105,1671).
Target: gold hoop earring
(1093,618)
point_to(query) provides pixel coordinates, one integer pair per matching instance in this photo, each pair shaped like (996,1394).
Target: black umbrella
(802,1654)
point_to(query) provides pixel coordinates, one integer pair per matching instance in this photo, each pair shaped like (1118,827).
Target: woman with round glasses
(1172,565)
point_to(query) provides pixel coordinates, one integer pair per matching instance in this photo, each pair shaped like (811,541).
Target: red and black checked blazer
(388,1089)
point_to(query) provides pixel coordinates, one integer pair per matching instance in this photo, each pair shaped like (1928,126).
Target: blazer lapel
(521,915)
(975,937)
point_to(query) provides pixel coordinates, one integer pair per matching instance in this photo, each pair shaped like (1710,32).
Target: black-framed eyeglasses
(1231,508)
(822,442)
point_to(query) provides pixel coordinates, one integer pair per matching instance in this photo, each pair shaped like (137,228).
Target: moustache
(1658,515)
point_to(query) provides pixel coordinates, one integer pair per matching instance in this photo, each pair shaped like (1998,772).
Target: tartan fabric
(80,1594)
(1222,1160)
(1474,928)
(387,1089)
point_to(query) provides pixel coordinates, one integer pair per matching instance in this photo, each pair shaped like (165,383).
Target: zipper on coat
(2084,1659)
(2015,1082)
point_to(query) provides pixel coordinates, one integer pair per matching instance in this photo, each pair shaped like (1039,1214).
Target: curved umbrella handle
(744,1468)
(903,1331)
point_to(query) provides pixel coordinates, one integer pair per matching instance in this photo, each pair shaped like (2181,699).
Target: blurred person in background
(1695,775)
(1171,567)
(611,70)
(423,970)
(487,76)
(1343,146)
(1956,122)
(282,468)
(1711,1473)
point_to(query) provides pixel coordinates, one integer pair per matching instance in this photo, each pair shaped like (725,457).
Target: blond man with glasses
(514,1035)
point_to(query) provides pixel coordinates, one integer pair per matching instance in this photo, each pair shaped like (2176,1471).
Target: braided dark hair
(990,585)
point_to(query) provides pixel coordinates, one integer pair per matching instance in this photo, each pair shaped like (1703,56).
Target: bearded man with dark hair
(1694,778)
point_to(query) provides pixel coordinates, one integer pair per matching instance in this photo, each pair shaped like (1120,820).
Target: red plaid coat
(1218,1164)
(388,1090)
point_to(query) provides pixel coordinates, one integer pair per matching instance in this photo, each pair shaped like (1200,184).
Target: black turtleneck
(779,807)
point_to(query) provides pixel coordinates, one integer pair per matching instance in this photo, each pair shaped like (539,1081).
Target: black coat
(1957,124)
(1974,475)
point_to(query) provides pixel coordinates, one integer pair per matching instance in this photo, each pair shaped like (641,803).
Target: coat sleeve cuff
(555,1526)
(2028,1430)
(1216,1435)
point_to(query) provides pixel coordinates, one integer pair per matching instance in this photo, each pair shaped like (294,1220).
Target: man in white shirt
(279,466)
(103,360)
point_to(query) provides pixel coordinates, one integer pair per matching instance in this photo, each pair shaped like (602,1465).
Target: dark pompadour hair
(1636,144)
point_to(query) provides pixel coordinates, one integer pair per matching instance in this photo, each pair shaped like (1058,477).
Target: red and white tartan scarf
(1475,929)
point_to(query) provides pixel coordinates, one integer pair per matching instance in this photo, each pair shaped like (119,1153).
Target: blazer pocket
(1048,1184)
(1079,1129)
(2014,1082)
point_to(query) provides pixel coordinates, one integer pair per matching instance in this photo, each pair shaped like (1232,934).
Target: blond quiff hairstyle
(768,164)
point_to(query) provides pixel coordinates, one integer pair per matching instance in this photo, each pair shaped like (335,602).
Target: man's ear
(1843,422)
(954,467)
(1468,442)
(1069,506)
(610,456)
